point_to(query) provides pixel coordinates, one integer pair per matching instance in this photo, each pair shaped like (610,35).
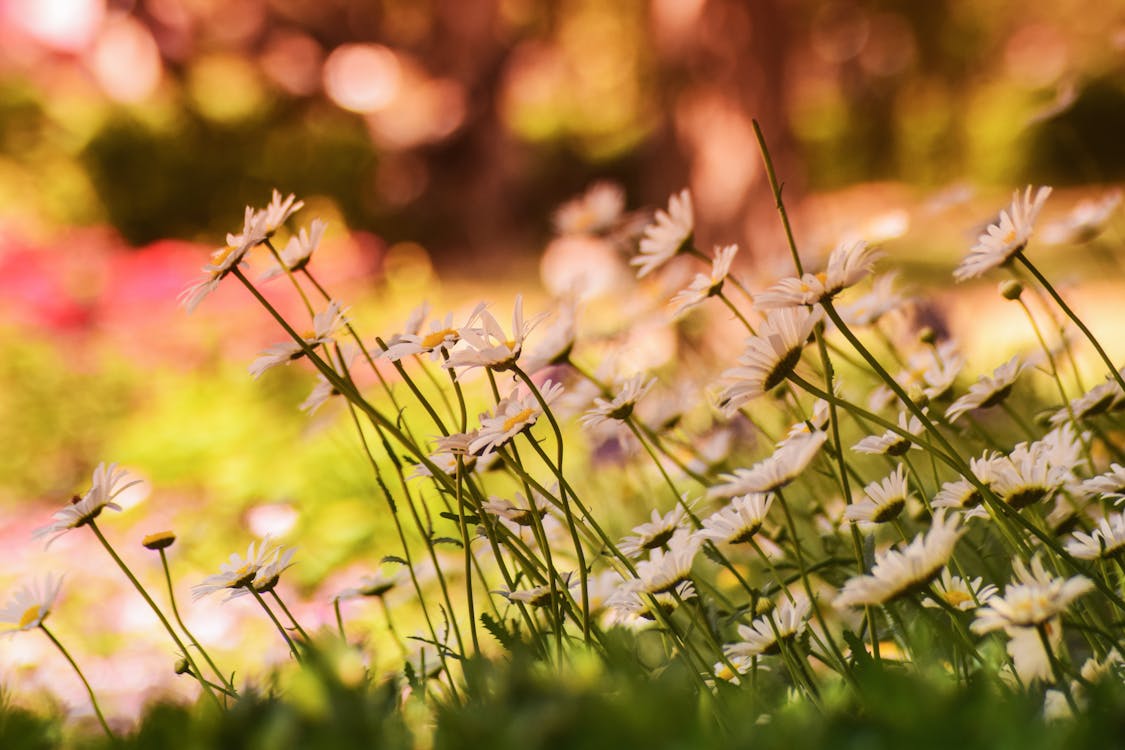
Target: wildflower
(377,585)
(669,234)
(739,521)
(30,605)
(885,499)
(1036,598)
(521,513)
(1107,540)
(298,251)
(1084,222)
(1029,474)
(782,467)
(988,391)
(959,494)
(452,451)
(764,636)
(513,415)
(593,212)
(868,309)
(769,358)
(325,325)
(321,392)
(556,343)
(816,421)
(268,575)
(959,593)
(488,345)
(704,285)
(1098,400)
(631,600)
(82,510)
(1111,484)
(848,263)
(891,443)
(897,573)
(931,372)
(667,568)
(654,534)
(278,210)
(1004,239)
(437,343)
(731,669)
(238,572)
(620,407)
(226,258)
(158,541)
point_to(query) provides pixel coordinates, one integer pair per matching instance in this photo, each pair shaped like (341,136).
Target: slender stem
(90,690)
(339,619)
(276,622)
(292,619)
(180,622)
(776,188)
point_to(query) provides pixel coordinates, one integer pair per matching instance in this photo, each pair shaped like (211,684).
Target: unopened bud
(182,666)
(927,335)
(1011,289)
(159,540)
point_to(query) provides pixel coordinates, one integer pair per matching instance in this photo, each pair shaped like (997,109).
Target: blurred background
(437,137)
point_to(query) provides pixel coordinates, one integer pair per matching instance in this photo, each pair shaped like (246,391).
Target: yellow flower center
(957,598)
(437,337)
(30,615)
(221,255)
(1010,236)
(514,420)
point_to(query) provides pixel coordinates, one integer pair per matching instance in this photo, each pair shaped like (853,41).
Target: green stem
(180,622)
(89,690)
(276,622)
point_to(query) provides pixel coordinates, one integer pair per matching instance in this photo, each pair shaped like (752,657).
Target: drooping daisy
(278,210)
(105,487)
(30,605)
(782,467)
(1107,540)
(1006,237)
(593,212)
(988,391)
(268,575)
(1111,484)
(521,512)
(897,573)
(326,323)
(451,449)
(238,572)
(848,263)
(377,585)
(620,407)
(1084,222)
(739,521)
(298,251)
(868,309)
(513,415)
(769,357)
(1035,598)
(410,342)
(891,443)
(666,568)
(486,344)
(884,499)
(959,593)
(669,234)
(705,285)
(254,231)
(656,533)
(764,636)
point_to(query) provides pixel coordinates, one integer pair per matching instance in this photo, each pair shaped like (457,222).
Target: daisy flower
(448,450)
(1084,222)
(782,467)
(848,263)
(769,358)
(238,572)
(897,572)
(556,343)
(1107,540)
(30,605)
(1005,238)
(82,510)
(520,513)
(1036,598)
(630,603)
(620,407)
(278,210)
(739,521)
(513,415)
(325,325)
(891,443)
(988,391)
(1098,400)
(666,568)
(764,636)
(704,285)
(959,593)
(298,251)
(593,212)
(268,575)
(486,344)
(960,495)
(669,234)
(377,585)
(932,371)
(654,534)
(1029,474)
(868,309)
(1111,484)
(437,343)
(885,499)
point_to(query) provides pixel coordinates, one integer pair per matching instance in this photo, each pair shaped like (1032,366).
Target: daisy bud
(182,666)
(1011,289)
(159,540)
(927,335)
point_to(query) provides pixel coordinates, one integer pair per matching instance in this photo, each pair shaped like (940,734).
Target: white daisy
(298,251)
(268,575)
(900,572)
(891,443)
(593,212)
(654,534)
(848,263)
(238,572)
(705,285)
(670,233)
(326,323)
(783,466)
(764,636)
(512,415)
(630,603)
(486,344)
(769,357)
(521,512)
(30,605)
(960,594)
(557,341)
(868,309)
(988,391)
(1111,484)
(1036,598)
(666,568)
(255,230)
(105,487)
(278,210)
(1029,474)
(620,407)
(1006,237)
(1084,222)
(739,521)
(437,343)
(377,585)
(1094,402)
(1107,540)
(885,499)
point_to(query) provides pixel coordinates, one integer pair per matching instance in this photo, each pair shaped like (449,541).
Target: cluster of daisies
(838,489)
